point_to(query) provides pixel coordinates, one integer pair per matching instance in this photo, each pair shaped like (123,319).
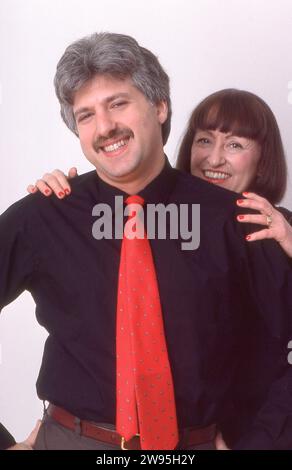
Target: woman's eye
(202,140)
(235,145)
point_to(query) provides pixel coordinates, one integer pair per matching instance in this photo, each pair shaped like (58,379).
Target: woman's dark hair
(245,115)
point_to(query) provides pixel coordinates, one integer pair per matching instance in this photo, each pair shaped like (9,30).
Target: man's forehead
(102,83)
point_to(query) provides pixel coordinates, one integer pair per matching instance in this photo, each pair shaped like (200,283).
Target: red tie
(145,393)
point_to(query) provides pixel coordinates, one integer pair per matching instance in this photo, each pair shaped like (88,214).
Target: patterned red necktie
(145,393)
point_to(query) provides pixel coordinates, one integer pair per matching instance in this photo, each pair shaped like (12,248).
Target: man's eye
(83,117)
(118,104)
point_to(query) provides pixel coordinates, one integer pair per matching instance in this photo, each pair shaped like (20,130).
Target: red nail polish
(239,201)
(245,193)
(47,191)
(247,237)
(240,217)
(61,194)
(67,191)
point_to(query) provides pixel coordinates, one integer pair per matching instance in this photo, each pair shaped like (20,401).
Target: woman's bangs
(232,117)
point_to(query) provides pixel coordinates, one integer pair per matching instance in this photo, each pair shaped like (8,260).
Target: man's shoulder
(198,191)
(20,209)
(84,181)
(28,207)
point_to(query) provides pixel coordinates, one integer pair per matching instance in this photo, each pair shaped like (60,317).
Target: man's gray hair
(116,55)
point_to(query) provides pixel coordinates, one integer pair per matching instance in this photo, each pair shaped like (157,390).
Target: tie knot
(134,199)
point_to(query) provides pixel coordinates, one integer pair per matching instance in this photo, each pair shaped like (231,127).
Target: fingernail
(239,201)
(245,193)
(247,237)
(240,217)
(61,194)
(47,191)
(67,191)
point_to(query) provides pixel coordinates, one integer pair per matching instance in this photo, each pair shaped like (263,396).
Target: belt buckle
(123,442)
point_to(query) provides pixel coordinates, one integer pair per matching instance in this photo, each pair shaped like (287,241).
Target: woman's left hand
(277,226)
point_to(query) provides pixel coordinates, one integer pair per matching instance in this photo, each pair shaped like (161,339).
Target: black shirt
(6,440)
(226,306)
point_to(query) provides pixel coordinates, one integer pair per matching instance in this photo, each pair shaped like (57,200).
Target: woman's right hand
(56,182)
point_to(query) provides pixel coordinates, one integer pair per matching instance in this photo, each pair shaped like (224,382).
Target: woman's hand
(29,442)
(56,182)
(276,226)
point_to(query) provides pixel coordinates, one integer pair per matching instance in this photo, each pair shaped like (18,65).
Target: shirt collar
(157,191)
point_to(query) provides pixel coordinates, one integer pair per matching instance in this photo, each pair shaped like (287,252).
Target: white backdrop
(205,45)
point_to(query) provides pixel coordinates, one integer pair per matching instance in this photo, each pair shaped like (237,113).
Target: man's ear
(162,111)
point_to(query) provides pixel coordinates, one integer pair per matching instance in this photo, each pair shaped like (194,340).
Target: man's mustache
(101,141)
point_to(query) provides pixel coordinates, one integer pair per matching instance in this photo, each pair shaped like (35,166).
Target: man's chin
(115,175)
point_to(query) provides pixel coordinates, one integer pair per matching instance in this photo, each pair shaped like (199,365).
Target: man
(7,441)
(222,317)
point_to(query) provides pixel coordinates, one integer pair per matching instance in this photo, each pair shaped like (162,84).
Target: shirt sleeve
(17,261)
(6,440)
(268,281)
(286,213)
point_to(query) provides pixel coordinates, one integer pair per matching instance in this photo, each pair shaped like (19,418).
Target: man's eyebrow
(116,96)
(107,100)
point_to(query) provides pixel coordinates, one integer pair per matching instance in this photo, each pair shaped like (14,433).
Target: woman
(232,140)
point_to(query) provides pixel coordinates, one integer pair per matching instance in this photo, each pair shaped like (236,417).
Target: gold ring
(269,220)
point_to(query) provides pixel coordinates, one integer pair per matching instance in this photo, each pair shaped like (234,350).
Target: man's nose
(104,124)
(216,156)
